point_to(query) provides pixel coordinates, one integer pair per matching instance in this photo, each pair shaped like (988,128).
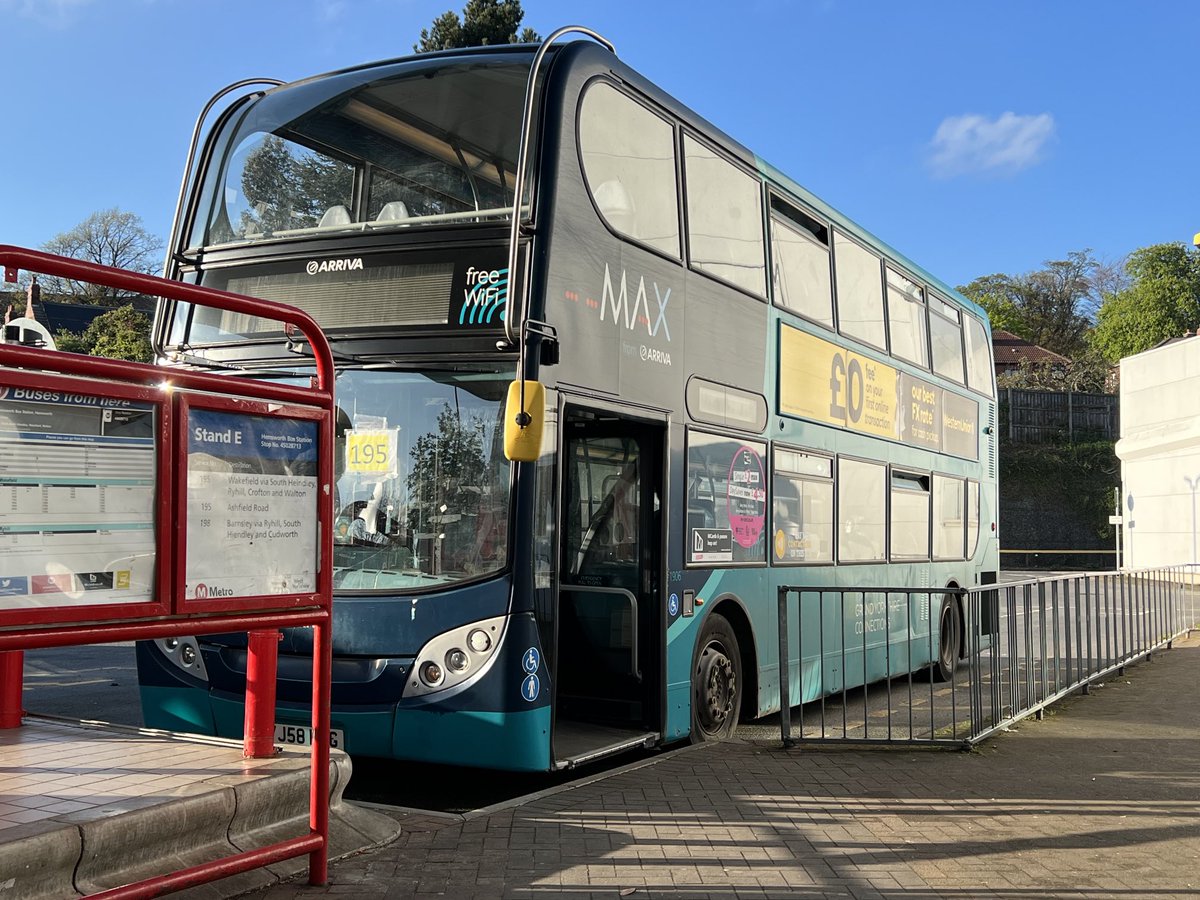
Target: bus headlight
(457,660)
(431,674)
(479,641)
(455,657)
(184,653)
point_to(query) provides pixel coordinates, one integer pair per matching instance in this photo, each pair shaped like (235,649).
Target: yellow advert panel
(819,380)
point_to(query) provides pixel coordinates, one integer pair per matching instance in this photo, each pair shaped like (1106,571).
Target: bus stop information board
(251,505)
(77,497)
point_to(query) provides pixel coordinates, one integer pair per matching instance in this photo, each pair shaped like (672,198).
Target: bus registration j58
(302,736)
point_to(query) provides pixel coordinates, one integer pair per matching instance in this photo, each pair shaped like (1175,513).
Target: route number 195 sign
(371,452)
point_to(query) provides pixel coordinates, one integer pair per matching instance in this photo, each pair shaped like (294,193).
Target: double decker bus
(721,384)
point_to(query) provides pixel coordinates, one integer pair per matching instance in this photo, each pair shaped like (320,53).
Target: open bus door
(610,640)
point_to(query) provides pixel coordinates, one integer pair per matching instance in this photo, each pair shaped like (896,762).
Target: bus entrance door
(610,622)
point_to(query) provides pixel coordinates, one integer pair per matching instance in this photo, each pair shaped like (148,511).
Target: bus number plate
(302,736)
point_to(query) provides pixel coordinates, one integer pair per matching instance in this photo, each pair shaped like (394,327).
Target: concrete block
(37,861)
(276,809)
(156,840)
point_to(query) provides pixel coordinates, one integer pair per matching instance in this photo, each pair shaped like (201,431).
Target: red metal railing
(169,613)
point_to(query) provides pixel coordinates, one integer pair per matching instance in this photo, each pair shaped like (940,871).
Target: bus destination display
(251,505)
(77,496)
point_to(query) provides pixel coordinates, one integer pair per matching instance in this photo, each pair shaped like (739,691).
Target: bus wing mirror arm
(524,418)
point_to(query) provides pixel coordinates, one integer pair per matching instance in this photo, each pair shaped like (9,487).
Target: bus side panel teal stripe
(841,618)
(497,740)
(747,585)
(177,709)
(511,740)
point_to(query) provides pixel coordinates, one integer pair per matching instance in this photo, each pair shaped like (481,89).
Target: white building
(1159,451)
(27,331)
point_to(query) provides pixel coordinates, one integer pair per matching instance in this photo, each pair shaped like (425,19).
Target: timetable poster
(77,498)
(251,505)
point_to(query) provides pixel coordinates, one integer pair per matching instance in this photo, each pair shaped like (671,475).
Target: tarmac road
(97,682)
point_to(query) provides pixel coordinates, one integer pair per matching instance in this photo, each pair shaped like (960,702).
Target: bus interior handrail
(634,668)
(376,225)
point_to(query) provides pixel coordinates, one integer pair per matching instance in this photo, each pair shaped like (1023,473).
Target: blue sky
(973,137)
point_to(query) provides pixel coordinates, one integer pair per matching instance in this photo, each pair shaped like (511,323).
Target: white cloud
(976,144)
(330,10)
(54,13)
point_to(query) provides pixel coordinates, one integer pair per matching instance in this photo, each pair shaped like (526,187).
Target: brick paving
(1099,800)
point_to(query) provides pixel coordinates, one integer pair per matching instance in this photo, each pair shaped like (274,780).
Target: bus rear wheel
(716,682)
(949,640)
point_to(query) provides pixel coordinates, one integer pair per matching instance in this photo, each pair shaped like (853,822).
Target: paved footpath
(1101,799)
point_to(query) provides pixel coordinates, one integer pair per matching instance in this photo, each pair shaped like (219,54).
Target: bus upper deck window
(629,164)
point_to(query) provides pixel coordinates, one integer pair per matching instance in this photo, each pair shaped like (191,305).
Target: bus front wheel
(716,682)
(949,640)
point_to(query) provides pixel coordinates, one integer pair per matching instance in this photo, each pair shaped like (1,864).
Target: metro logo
(205,592)
(635,313)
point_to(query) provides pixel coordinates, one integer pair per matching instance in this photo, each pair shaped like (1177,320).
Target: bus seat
(335,215)
(616,205)
(393,211)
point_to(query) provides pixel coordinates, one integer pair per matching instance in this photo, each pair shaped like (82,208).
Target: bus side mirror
(523,427)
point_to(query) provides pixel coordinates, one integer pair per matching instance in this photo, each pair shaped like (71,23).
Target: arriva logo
(635,313)
(315,267)
(485,295)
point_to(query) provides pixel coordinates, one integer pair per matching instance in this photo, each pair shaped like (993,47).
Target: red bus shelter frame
(173,392)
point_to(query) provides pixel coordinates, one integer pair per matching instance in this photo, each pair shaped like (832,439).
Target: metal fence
(1045,417)
(1024,646)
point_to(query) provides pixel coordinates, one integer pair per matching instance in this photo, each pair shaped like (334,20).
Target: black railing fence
(1022,646)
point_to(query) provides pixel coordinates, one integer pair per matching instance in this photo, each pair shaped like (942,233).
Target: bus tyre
(716,682)
(949,640)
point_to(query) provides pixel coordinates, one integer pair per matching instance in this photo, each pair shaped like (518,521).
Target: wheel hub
(719,683)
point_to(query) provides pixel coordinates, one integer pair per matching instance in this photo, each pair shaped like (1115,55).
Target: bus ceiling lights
(523,428)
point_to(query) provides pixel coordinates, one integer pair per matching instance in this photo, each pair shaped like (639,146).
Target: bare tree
(1051,307)
(109,237)
(1108,277)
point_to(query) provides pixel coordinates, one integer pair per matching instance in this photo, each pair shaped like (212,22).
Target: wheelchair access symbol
(673,605)
(532,660)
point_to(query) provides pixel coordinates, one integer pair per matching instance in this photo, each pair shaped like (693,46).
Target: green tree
(109,237)
(447,460)
(121,333)
(1162,301)
(289,186)
(483,22)
(1050,307)
(999,298)
(268,184)
(70,342)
